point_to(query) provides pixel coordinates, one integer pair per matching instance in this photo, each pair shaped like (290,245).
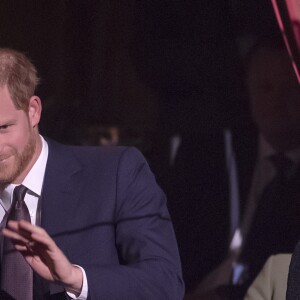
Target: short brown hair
(19,75)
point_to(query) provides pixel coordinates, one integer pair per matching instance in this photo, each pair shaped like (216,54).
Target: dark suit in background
(201,194)
(293,287)
(199,200)
(199,203)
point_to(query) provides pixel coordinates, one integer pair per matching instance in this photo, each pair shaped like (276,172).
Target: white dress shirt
(34,182)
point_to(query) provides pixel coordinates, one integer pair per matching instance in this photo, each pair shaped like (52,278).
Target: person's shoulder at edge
(271,282)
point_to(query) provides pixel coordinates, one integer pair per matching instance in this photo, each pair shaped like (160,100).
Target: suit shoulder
(105,154)
(113,152)
(279,261)
(94,156)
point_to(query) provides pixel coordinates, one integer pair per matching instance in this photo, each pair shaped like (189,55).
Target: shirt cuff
(84,291)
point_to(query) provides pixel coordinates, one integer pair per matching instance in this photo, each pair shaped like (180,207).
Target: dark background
(155,67)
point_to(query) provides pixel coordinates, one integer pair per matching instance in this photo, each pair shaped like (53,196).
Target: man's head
(19,75)
(274,94)
(20,112)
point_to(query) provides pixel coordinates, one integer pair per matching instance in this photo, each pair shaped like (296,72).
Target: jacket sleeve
(149,260)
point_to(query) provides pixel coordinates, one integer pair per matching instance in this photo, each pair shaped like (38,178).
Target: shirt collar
(266,151)
(34,179)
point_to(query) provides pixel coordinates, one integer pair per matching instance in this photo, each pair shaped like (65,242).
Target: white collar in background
(266,150)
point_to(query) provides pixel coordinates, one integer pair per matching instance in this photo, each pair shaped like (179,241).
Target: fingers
(25,234)
(24,225)
(16,233)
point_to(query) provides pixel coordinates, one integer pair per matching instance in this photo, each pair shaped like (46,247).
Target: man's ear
(34,110)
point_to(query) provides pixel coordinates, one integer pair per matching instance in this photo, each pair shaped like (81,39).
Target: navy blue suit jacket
(103,208)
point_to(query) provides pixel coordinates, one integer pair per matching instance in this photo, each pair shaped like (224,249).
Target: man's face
(274,94)
(275,97)
(19,139)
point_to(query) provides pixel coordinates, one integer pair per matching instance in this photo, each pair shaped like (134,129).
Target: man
(103,231)
(226,228)
(271,226)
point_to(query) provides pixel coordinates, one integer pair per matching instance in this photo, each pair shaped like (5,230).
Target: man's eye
(4,127)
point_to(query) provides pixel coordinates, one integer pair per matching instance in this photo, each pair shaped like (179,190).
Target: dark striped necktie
(16,274)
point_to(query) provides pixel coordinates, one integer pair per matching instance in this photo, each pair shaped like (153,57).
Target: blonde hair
(19,75)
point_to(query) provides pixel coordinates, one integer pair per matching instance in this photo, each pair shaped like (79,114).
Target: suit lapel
(61,189)
(60,195)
